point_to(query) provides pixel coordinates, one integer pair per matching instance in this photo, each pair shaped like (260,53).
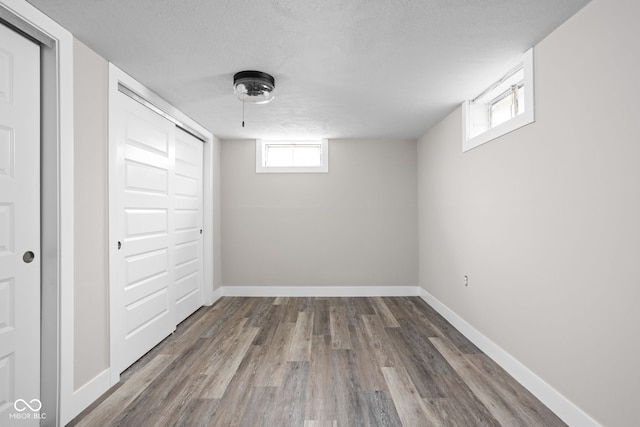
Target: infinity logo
(21,405)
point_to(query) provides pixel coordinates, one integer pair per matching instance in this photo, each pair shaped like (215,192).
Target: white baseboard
(553,399)
(319,291)
(89,393)
(216,295)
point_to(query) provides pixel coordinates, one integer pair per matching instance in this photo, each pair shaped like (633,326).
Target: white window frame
(261,145)
(470,114)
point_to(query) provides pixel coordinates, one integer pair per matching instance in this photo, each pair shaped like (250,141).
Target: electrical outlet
(466,280)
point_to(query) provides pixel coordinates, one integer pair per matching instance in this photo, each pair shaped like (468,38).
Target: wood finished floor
(317,362)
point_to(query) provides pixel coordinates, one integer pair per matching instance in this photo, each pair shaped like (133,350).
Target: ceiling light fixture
(253,86)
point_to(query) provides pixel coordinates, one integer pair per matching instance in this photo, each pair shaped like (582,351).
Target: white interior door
(144,274)
(188,224)
(19,229)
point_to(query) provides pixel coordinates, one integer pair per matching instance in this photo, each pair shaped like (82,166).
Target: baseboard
(89,393)
(553,399)
(319,291)
(216,295)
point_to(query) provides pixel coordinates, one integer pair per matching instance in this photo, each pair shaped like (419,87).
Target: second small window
(505,106)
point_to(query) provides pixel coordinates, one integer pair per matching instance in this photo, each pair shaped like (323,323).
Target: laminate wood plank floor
(316,362)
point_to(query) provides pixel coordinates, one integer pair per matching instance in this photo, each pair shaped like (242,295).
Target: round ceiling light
(254,86)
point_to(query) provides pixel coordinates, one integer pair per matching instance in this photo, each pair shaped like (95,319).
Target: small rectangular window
(502,108)
(292,156)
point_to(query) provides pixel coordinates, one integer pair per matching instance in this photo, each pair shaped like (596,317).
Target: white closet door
(157,272)
(19,230)
(145,275)
(188,224)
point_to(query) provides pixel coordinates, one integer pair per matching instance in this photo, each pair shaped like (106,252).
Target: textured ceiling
(343,68)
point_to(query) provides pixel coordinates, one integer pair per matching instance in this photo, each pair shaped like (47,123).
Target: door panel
(145,226)
(19,227)
(6,152)
(189,265)
(150,179)
(141,222)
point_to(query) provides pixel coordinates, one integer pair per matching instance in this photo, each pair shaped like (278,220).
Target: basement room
(319,213)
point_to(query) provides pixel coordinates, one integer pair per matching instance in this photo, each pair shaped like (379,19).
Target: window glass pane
(501,110)
(278,155)
(307,155)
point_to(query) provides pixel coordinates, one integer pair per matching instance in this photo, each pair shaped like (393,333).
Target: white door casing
(19,228)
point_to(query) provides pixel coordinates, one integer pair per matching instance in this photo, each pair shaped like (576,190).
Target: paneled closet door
(143,288)
(188,224)
(19,230)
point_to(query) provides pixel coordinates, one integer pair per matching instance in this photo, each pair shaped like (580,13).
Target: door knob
(28,257)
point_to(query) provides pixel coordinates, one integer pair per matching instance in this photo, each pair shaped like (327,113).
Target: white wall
(353,226)
(91,292)
(545,220)
(216,147)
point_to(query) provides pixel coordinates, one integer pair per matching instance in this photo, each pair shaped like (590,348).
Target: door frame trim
(56,163)
(118,78)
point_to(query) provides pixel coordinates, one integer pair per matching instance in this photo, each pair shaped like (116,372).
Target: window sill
(515,123)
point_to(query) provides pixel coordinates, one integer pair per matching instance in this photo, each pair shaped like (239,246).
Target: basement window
(292,156)
(503,107)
